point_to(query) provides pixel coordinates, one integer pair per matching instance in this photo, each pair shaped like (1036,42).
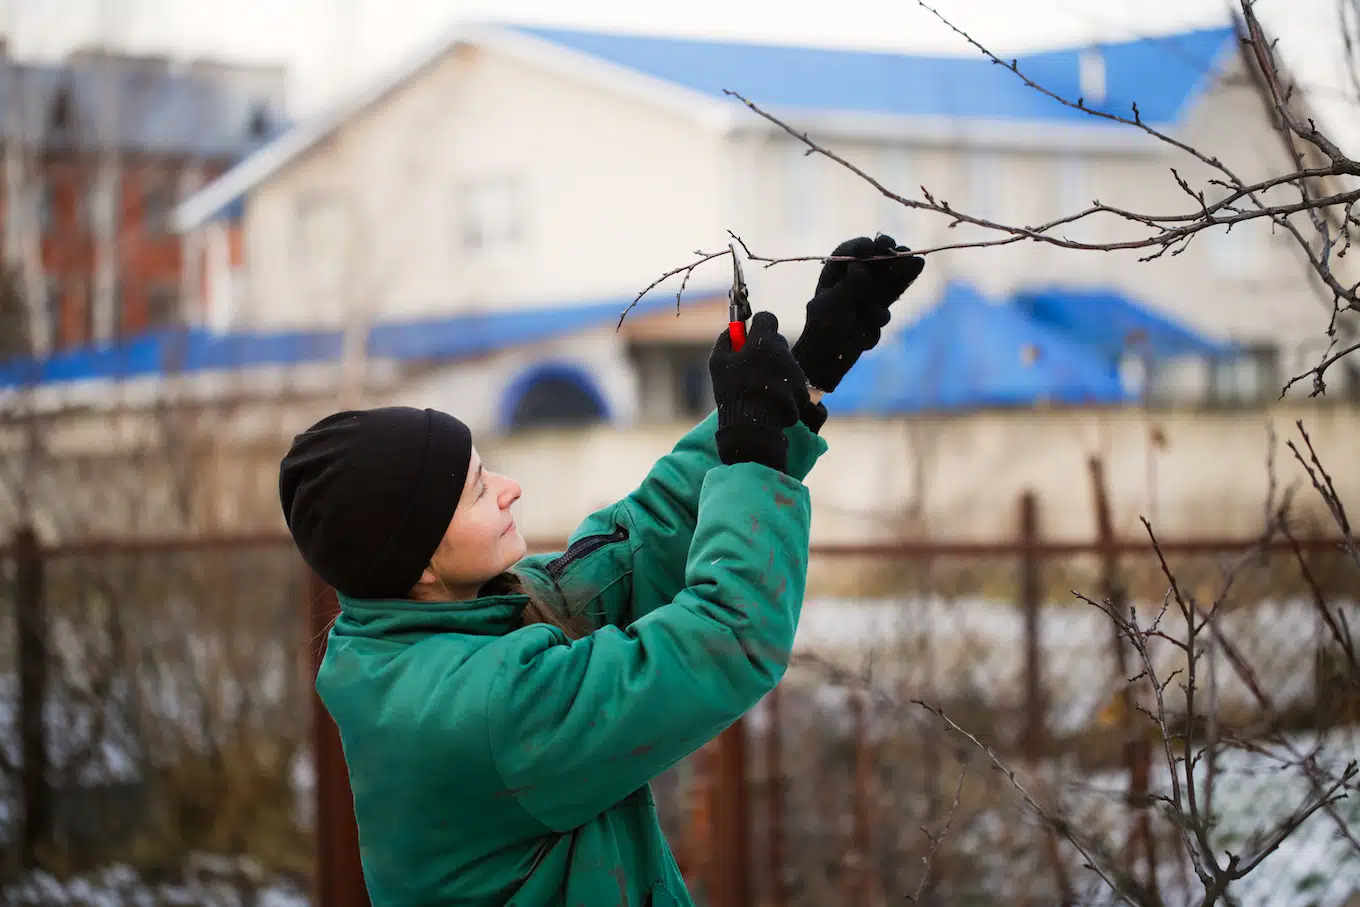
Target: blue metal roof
(1161,74)
(1113,324)
(461,336)
(969,353)
(170,352)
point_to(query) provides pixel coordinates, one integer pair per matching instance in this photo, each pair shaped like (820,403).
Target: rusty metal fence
(840,770)
(157,703)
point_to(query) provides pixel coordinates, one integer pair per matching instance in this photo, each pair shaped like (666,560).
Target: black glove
(846,315)
(760,391)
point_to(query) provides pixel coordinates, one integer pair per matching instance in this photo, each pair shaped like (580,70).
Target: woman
(502,716)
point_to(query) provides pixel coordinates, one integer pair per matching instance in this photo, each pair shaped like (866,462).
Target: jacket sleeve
(577,726)
(660,519)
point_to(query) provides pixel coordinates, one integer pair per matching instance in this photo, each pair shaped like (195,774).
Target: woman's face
(482,540)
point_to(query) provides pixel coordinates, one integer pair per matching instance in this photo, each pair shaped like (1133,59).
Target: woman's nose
(511,493)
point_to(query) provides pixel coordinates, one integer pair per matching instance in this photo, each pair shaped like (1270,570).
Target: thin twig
(1326,488)
(687,270)
(936,839)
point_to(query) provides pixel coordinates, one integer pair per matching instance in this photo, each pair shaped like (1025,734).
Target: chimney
(1091,75)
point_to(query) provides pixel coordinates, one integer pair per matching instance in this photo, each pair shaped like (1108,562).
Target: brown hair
(536,611)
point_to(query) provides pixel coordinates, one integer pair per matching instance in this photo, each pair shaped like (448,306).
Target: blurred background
(223,222)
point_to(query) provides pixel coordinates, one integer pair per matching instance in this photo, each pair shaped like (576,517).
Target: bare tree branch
(1238,201)
(1318,475)
(936,839)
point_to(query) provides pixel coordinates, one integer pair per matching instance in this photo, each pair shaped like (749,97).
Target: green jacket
(493,764)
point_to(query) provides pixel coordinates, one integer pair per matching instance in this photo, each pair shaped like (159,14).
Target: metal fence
(848,769)
(167,684)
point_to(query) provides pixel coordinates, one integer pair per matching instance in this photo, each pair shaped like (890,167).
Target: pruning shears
(738,302)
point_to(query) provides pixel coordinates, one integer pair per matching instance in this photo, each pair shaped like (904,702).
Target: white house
(509,168)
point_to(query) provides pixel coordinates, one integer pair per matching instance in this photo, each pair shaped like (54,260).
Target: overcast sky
(329,44)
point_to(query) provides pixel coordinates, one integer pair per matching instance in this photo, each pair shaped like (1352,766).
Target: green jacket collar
(490,615)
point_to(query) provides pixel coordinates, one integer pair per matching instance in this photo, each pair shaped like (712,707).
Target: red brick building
(98,151)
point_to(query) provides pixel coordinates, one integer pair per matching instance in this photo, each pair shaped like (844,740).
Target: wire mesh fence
(174,692)
(177,721)
(914,698)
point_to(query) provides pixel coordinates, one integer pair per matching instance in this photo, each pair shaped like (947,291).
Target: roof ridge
(969,53)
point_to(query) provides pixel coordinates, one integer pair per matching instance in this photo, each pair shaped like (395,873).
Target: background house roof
(95,103)
(173,352)
(1163,75)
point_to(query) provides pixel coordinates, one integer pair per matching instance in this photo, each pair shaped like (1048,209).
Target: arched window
(553,396)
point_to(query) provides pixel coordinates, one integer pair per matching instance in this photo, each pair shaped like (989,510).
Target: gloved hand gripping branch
(850,308)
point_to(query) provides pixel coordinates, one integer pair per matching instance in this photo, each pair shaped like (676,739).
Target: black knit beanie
(368,495)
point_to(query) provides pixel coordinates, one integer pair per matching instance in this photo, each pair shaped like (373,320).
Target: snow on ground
(944,648)
(208,882)
(1253,793)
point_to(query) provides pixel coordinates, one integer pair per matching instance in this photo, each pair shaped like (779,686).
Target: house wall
(478,392)
(1192,473)
(614,191)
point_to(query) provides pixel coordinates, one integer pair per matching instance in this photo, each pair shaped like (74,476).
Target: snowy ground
(974,647)
(209,882)
(1316,866)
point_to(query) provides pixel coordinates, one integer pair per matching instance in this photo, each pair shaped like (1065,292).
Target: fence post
(1031,598)
(1031,591)
(731,820)
(774,775)
(1137,749)
(860,862)
(31,633)
(339,880)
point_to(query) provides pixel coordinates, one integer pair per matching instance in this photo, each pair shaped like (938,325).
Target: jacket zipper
(581,547)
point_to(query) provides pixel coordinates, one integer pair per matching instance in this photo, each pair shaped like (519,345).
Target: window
(158,200)
(322,236)
(1091,76)
(45,204)
(91,332)
(258,126)
(1074,195)
(1178,380)
(1247,379)
(673,381)
(800,191)
(986,183)
(52,309)
(490,216)
(61,115)
(162,306)
(1235,250)
(894,172)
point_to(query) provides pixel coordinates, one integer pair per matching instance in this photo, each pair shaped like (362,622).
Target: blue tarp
(1162,74)
(969,353)
(1110,322)
(190,350)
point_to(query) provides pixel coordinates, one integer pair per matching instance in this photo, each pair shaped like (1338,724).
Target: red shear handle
(737,331)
